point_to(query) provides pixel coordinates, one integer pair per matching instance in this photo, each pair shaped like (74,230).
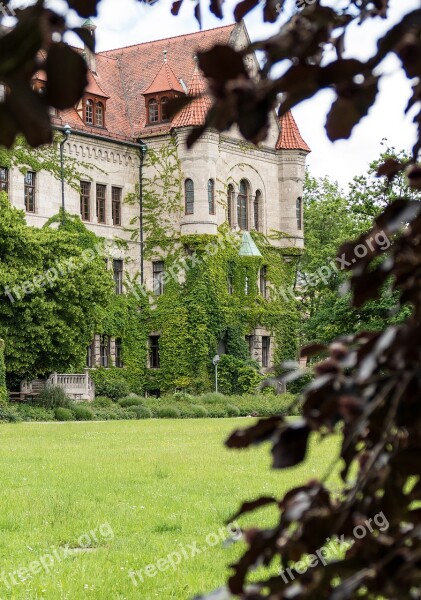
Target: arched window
(153,111)
(242,205)
(230,197)
(164,109)
(256,209)
(211,196)
(99,114)
(298,212)
(89,112)
(189,196)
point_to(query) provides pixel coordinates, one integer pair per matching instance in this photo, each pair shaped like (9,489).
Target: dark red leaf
(222,63)
(86,37)
(175,9)
(66,76)
(291,447)
(84,8)
(30,113)
(261,432)
(251,506)
(244,7)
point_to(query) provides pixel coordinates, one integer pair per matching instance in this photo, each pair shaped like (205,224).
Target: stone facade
(274,170)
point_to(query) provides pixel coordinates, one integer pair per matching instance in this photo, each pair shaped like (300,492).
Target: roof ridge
(201,31)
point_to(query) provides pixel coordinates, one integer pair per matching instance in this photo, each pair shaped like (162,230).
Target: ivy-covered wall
(3,390)
(197,312)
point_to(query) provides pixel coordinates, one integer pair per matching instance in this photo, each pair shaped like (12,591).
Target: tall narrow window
(104,349)
(116,205)
(100,202)
(85,200)
(265,350)
(153,111)
(257,207)
(263,281)
(158,271)
(189,196)
(90,355)
(247,286)
(89,112)
(99,114)
(164,109)
(118,354)
(298,210)
(211,196)
(2,92)
(230,197)
(250,342)
(242,205)
(4,179)
(30,191)
(154,352)
(118,276)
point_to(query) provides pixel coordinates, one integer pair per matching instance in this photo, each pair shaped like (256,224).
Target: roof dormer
(164,87)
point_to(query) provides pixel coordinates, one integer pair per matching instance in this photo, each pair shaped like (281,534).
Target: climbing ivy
(197,310)
(3,389)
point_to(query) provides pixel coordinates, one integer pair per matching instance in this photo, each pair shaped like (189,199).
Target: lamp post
(67,131)
(215,361)
(142,153)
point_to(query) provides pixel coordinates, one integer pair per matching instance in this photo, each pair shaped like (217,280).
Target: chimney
(89,55)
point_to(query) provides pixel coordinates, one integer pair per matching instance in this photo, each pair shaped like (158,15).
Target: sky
(125,22)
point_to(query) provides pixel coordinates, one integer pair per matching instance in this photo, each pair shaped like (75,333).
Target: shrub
(127,413)
(182,397)
(102,402)
(198,412)
(8,414)
(141,412)
(232,410)
(131,401)
(83,413)
(168,412)
(106,414)
(110,383)
(216,411)
(28,412)
(53,397)
(212,398)
(63,414)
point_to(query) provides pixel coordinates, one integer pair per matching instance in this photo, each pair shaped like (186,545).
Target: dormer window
(94,112)
(164,108)
(99,113)
(164,87)
(153,111)
(89,112)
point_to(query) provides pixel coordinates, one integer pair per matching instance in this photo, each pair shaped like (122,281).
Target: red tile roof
(164,81)
(195,112)
(290,136)
(123,75)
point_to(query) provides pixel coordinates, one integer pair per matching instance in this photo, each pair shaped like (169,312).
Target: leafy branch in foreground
(368,388)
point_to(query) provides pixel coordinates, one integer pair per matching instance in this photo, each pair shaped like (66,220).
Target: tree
(330,217)
(55,288)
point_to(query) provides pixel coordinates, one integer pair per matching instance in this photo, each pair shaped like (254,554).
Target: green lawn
(154,486)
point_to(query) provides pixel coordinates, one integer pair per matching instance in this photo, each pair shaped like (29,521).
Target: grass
(159,485)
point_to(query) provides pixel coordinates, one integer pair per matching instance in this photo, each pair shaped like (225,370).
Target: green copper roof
(89,23)
(248,247)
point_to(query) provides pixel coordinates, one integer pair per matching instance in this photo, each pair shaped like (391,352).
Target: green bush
(8,414)
(110,383)
(131,401)
(102,402)
(106,414)
(63,414)
(29,412)
(141,412)
(53,397)
(198,412)
(182,397)
(83,413)
(168,412)
(212,398)
(232,410)
(217,411)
